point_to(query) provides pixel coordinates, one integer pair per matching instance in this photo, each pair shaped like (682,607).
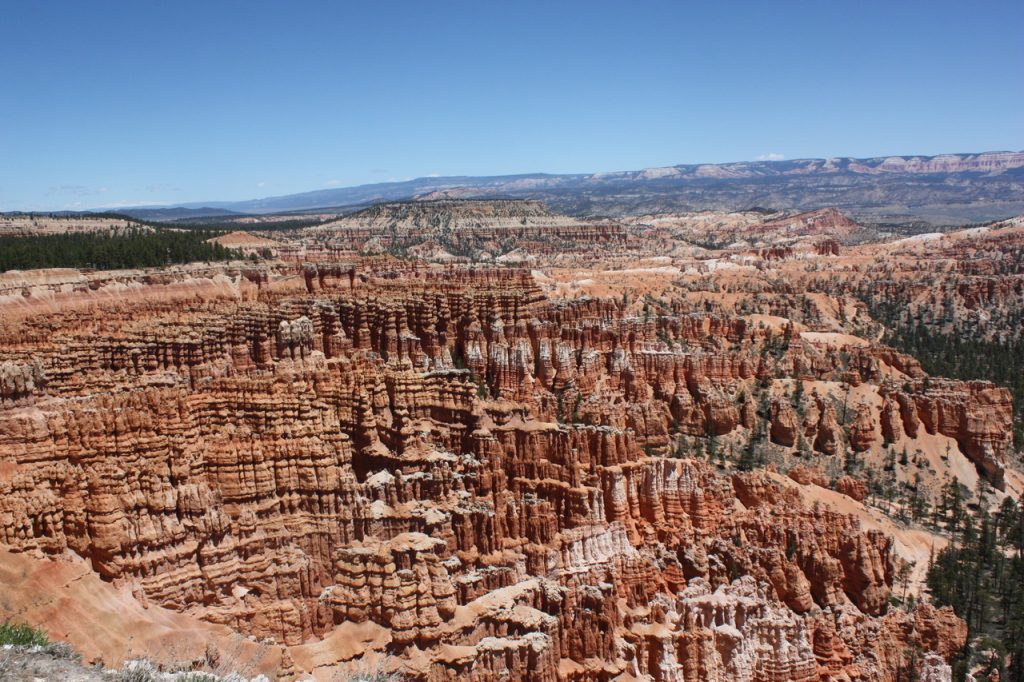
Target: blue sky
(108,103)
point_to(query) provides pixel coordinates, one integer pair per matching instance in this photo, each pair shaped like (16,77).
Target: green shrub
(20,634)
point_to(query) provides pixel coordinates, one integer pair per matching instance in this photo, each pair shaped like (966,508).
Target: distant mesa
(947,189)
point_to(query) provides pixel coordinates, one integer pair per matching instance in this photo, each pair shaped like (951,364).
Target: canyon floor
(478,440)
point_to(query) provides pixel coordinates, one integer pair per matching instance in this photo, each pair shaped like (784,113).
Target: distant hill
(176,213)
(949,188)
(449,213)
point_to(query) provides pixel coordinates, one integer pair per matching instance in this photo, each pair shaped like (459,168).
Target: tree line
(981,574)
(131,247)
(958,355)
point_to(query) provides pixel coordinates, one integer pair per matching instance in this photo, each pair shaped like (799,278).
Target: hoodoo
(456,469)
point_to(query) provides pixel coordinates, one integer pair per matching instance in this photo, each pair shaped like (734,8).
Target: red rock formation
(851,487)
(806,475)
(823,424)
(862,431)
(979,418)
(826,221)
(468,475)
(785,426)
(891,421)
(939,630)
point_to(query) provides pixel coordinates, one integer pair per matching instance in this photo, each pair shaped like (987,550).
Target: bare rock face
(785,425)
(862,431)
(939,630)
(826,429)
(851,487)
(20,381)
(400,584)
(935,669)
(891,421)
(806,475)
(908,415)
(444,465)
(979,419)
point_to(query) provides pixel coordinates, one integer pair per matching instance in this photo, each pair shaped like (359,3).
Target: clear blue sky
(108,103)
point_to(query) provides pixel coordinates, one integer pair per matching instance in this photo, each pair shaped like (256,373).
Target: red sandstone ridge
(247,243)
(825,221)
(447,468)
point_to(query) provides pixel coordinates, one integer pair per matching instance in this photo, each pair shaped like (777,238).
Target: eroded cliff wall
(472,475)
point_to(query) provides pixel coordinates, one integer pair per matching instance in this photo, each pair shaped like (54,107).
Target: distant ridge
(176,213)
(942,188)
